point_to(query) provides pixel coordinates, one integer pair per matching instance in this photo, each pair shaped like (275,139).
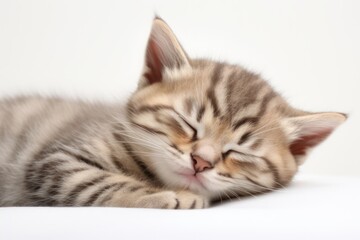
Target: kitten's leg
(63,180)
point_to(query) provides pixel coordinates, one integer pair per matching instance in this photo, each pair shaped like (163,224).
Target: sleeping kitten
(194,131)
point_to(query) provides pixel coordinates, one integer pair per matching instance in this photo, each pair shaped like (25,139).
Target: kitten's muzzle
(204,156)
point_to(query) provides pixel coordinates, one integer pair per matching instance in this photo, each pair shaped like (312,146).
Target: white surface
(309,50)
(311,208)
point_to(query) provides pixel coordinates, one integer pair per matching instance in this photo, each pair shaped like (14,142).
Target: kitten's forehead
(242,86)
(230,90)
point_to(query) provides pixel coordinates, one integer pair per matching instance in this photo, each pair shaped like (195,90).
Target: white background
(308,50)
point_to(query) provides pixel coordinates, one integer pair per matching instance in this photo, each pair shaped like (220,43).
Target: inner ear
(306,132)
(153,63)
(163,51)
(301,145)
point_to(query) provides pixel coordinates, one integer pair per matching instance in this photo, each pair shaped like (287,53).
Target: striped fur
(59,152)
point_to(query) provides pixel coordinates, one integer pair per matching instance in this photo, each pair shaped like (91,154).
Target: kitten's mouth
(193,178)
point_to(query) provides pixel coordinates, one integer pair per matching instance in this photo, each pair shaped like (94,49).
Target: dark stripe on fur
(216,74)
(256,144)
(200,113)
(148,129)
(265,102)
(98,193)
(211,91)
(230,88)
(193,204)
(71,197)
(246,120)
(253,120)
(115,160)
(274,172)
(81,158)
(176,148)
(214,104)
(244,138)
(227,175)
(177,203)
(135,188)
(263,188)
(48,169)
(59,179)
(154,108)
(172,124)
(34,178)
(242,89)
(194,136)
(111,193)
(134,157)
(188,105)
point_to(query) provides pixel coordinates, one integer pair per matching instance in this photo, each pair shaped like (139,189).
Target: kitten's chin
(192,179)
(195,183)
(184,179)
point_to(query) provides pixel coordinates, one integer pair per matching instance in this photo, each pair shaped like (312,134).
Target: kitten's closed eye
(195,132)
(171,118)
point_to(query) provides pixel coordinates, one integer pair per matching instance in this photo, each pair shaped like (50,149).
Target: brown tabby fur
(58,152)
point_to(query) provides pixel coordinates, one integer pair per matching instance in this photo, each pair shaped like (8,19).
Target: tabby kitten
(194,131)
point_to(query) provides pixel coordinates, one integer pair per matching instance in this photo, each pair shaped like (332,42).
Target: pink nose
(200,164)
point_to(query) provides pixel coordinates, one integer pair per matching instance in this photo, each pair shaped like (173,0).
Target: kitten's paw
(173,200)
(190,200)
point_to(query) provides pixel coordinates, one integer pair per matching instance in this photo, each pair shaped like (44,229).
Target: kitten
(194,131)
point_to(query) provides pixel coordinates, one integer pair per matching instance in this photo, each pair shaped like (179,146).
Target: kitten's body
(195,131)
(31,127)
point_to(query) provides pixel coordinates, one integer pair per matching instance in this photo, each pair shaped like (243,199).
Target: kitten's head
(215,128)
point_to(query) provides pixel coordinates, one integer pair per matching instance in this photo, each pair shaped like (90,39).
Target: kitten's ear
(163,51)
(305,132)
